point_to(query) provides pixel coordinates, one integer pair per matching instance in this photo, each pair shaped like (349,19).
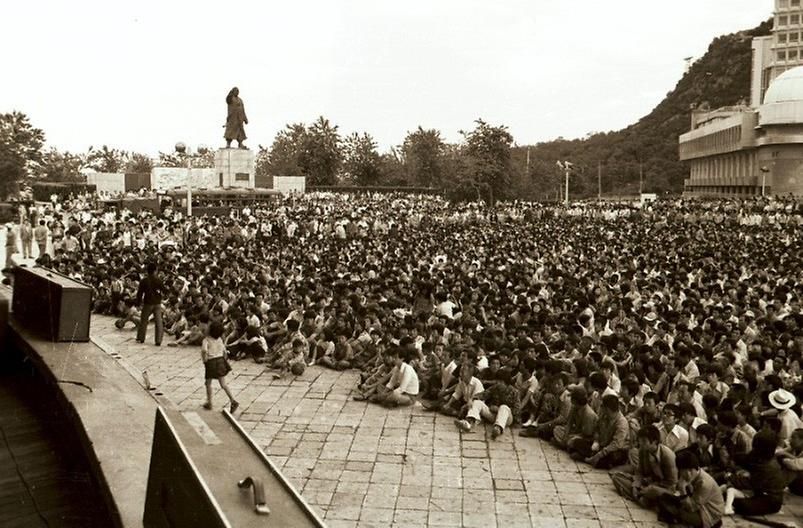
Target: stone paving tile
(363,466)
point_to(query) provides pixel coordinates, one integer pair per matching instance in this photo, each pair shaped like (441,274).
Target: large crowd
(662,342)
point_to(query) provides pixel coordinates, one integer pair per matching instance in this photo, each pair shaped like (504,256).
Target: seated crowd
(664,342)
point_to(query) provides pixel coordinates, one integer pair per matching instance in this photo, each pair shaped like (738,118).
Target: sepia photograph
(377,264)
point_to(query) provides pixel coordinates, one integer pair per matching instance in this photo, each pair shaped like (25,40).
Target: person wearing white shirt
(445,306)
(446,373)
(403,384)
(465,391)
(673,435)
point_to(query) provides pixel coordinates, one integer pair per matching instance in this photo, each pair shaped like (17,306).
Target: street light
(764,171)
(181,149)
(566,166)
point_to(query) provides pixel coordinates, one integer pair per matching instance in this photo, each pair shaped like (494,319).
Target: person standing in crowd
(216,365)
(26,236)
(11,245)
(40,236)
(149,295)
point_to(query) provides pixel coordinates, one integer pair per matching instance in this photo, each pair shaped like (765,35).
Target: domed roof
(787,87)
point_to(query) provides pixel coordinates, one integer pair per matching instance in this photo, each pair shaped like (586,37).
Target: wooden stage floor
(44,478)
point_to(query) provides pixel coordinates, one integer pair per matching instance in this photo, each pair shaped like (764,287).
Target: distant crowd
(661,342)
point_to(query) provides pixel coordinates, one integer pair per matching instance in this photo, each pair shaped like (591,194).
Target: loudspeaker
(51,305)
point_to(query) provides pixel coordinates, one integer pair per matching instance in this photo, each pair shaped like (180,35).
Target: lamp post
(567,167)
(764,171)
(181,149)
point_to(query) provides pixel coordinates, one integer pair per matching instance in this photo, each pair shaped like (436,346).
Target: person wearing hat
(784,400)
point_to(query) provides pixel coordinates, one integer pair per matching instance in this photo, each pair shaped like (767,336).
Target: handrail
(260,504)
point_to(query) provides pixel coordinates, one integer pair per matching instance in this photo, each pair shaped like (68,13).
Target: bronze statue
(235,119)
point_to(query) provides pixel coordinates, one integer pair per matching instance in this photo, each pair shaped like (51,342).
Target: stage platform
(44,479)
(113,414)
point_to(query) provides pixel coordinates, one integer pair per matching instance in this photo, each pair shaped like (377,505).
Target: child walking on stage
(213,354)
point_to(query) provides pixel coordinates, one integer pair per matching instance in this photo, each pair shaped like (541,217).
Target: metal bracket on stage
(260,504)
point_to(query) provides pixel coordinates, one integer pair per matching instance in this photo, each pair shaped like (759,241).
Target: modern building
(755,150)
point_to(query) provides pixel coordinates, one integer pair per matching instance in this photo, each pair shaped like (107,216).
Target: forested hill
(720,78)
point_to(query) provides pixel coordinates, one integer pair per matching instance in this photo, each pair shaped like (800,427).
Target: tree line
(484,164)
(479,167)
(23,157)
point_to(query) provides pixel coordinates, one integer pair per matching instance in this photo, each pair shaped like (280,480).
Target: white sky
(144,74)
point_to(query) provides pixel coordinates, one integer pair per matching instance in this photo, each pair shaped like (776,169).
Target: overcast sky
(144,74)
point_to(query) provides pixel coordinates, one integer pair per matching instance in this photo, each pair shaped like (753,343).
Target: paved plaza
(361,465)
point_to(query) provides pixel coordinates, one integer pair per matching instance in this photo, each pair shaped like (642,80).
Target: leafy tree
(391,169)
(488,148)
(12,168)
(20,150)
(321,155)
(261,162)
(283,158)
(106,159)
(62,167)
(461,177)
(362,162)
(139,164)
(422,151)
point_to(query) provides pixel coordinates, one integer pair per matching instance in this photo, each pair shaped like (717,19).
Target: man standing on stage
(149,295)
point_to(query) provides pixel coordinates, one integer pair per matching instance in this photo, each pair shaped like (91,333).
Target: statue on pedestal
(235,119)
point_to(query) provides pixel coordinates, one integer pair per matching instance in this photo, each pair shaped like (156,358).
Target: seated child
(130,313)
(293,360)
(498,404)
(377,377)
(402,389)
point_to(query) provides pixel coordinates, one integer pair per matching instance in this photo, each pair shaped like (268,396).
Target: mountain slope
(720,78)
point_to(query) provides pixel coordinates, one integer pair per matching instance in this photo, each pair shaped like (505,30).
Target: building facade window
(794,20)
(782,55)
(791,54)
(793,37)
(781,38)
(782,20)
(793,3)
(783,4)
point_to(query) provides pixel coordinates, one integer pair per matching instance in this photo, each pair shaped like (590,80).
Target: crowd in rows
(664,341)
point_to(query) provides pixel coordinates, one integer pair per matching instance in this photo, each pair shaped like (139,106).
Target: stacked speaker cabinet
(51,305)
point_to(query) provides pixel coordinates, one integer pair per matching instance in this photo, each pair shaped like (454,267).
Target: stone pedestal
(235,167)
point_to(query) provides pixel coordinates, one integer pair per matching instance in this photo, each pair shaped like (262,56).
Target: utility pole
(528,162)
(567,186)
(640,178)
(566,166)
(599,181)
